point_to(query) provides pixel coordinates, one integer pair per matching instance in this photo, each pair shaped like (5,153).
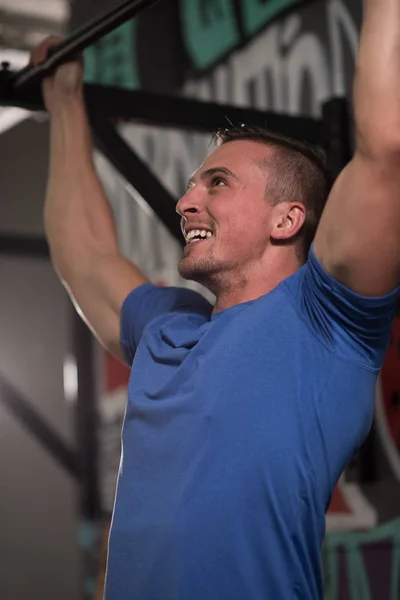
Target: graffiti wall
(281,55)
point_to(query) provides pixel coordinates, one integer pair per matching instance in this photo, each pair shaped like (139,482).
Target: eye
(217,181)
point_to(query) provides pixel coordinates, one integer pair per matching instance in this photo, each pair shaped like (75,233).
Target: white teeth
(195,233)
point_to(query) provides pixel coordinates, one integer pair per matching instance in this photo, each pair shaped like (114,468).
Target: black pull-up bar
(82,38)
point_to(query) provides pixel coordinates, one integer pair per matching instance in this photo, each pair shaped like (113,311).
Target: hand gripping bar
(85,36)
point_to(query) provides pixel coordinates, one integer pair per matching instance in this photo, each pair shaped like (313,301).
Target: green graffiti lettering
(90,55)
(112,60)
(209,29)
(257,13)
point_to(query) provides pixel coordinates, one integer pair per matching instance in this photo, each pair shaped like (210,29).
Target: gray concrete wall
(39,502)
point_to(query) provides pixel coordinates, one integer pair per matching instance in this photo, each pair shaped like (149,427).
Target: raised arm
(358,239)
(78,219)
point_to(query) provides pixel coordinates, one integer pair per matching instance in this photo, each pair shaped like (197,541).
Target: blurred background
(62,399)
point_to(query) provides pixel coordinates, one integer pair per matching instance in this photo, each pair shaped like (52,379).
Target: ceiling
(23,23)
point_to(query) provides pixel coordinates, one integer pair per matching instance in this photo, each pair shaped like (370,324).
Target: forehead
(238,155)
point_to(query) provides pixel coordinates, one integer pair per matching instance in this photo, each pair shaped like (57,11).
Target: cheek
(243,220)
(245,225)
(239,236)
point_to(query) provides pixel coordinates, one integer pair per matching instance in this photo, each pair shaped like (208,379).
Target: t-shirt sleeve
(355,327)
(147,302)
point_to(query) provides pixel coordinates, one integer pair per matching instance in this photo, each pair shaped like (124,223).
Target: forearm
(78,218)
(377,81)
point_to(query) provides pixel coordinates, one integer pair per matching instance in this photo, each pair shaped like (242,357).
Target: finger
(39,54)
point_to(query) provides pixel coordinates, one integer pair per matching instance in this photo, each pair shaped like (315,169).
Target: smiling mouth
(198,235)
(197,242)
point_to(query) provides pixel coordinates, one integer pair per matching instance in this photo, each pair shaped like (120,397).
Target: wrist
(70,131)
(66,105)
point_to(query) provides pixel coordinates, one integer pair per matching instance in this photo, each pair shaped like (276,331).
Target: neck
(254,282)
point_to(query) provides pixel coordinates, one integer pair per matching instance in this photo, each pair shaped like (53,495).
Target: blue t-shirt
(237,427)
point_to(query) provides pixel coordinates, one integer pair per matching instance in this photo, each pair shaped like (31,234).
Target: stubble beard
(219,277)
(204,270)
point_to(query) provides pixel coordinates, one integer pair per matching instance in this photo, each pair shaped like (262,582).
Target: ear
(288,219)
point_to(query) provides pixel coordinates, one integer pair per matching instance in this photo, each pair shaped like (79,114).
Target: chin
(189,270)
(200,270)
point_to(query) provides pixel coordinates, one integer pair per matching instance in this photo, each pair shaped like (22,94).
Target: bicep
(98,296)
(358,238)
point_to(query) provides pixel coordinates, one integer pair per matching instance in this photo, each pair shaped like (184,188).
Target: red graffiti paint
(116,373)
(390,382)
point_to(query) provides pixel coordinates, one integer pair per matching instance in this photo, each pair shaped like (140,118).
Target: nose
(188,204)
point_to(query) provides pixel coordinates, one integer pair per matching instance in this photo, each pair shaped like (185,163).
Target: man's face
(226,198)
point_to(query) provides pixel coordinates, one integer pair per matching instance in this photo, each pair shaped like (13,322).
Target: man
(241,417)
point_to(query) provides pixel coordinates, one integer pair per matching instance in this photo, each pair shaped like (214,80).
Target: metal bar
(81,39)
(185,113)
(86,417)
(136,172)
(36,425)
(173,111)
(336,132)
(21,245)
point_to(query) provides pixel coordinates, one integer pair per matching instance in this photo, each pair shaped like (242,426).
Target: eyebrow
(213,171)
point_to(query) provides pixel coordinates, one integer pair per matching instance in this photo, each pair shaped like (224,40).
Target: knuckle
(54,39)
(39,53)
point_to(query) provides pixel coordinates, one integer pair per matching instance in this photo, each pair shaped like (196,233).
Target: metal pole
(336,133)
(38,427)
(81,39)
(86,418)
(22,245)
(137,173)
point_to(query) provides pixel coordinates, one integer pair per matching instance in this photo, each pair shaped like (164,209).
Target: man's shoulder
(149,301)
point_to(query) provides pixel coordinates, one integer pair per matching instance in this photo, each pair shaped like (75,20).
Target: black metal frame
(106,105)
(22,245)
(79,462)
(36,425)
(127,162)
